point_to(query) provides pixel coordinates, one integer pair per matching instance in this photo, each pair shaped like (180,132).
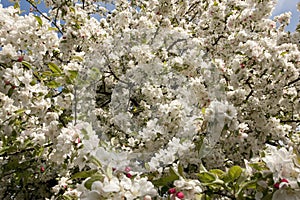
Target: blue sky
(282,6)
(285,6)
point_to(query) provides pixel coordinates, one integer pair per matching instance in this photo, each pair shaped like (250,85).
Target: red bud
(20,59)
(42,168)
(128,175)
(284,180)
(127,169)
(180,195)
(172,191)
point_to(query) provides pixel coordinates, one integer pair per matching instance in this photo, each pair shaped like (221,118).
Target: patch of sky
(288,6)
(281,7)
(25,7)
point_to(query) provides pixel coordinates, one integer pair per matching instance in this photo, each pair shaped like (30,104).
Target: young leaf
(84,174)
(88,184)
(167,179)
(3,150)
(217,172)
(10,92)
(96,161)
(52,29)
(77,58)
(235,172)
(109,172)
(20,111)
(53,84)
(26,64)
(73,74)
(67,197)
(39,20)
(206,177)
(54,68)
(17,5)
(180,170)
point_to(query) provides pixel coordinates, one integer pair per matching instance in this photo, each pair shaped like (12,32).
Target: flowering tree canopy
(159,99)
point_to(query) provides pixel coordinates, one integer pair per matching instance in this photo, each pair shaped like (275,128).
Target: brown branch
(175,42)
(294,81)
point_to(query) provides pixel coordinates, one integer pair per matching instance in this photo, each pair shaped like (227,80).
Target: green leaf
(84,174)
(109,172)
(10,92)
(283,53)
(39,20)
(73,74)
(259,166)
(19,111)
(26,64)
(54,68)
(206,177)
(47,74)
(244,186)
(217,172)
(235,172)
(72,9)
(203,110)
(88,184)
(77,58)
(199,196)
(249,185)
(52,29)
(167,179)
(76,25)
(53,84)
(36,74)
(96,161)
(181,170)
(67,197)
(17,5)
(3,150)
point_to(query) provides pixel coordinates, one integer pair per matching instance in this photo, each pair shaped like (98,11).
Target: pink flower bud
(276,185)
(180,195)
(147,197)
(172,191)
(77,141)
(20,59)
(284,180)
(127,169)
(42,169)
(128,175)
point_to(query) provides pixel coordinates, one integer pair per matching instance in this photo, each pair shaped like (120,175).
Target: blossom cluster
(157,99)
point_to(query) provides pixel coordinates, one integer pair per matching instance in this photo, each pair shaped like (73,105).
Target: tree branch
(294,81)
(175,42)
(42,14)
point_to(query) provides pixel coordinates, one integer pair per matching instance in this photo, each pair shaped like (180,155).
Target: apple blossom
(155,94)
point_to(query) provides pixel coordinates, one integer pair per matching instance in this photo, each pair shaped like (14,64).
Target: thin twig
(294,81)
(42,14)
(175,42)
